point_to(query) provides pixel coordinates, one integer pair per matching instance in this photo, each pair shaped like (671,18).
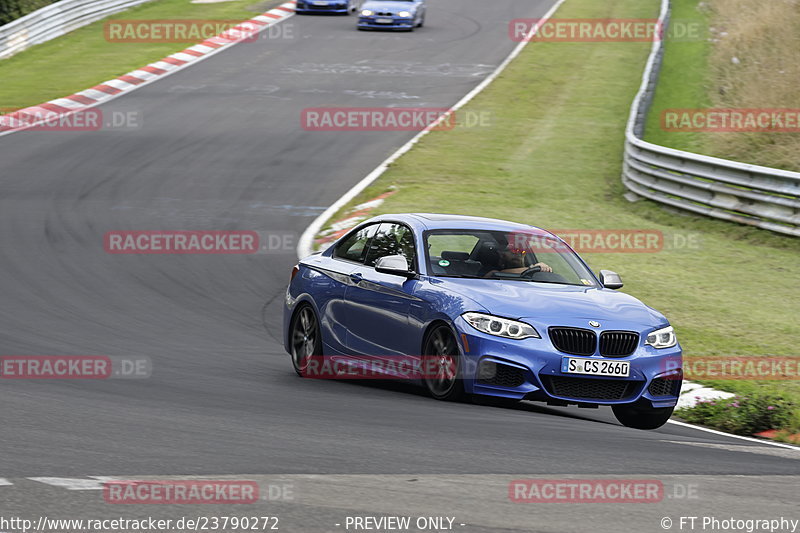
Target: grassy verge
(685,78)
(552,157)
(746,55)
(83,58)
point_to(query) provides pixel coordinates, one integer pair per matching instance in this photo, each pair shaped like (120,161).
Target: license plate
(595,367)
(384,21)
(320,3)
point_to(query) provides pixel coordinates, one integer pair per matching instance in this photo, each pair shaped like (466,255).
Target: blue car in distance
(470,306)
(392,15)
(344,7)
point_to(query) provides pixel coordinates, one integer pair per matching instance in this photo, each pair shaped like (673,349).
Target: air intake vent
(500,375)
(664,387)
(589,388)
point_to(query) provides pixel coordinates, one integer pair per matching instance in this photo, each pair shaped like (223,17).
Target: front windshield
(521,256)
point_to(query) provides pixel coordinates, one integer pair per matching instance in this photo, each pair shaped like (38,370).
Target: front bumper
(329,7)
(530,369)
(396,24)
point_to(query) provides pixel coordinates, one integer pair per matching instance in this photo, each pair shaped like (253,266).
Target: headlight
(404,14)
(662,338)
(367,12)
(500,327)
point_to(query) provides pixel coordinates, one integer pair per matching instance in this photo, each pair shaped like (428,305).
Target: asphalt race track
(220,147)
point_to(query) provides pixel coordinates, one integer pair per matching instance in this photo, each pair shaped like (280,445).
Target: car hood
(390,7)
(520,299)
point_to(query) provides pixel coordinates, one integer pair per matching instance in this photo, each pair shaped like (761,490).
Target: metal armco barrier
(749,194)
(55,20)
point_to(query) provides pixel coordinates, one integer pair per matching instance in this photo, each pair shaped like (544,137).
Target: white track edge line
(741,437)
(306,242)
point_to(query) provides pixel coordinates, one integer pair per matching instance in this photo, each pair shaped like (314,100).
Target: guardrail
(749,194)
(55,20)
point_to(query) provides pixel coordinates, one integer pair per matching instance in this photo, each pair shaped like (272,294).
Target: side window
(354,248)
(393,239)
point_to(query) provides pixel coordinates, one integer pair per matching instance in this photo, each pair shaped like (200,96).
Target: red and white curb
(693,393)
(352,218)
(22,119)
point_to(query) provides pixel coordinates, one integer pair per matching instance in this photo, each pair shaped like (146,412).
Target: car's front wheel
(442,365)
(641,416)
(306,340)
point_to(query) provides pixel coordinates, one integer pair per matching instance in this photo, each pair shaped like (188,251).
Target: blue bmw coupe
(470,306)
(392,15)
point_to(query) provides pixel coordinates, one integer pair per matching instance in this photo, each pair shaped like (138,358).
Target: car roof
(431,221)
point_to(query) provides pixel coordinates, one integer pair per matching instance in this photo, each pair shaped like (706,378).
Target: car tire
(421,22)
(640,416)
(305,338)
(441,349)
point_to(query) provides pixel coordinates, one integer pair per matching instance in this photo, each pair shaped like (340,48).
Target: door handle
(356,277)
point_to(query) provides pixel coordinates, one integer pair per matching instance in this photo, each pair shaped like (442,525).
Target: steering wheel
(529,272)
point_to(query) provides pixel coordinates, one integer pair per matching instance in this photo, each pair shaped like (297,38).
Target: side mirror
(610,279)
(397,265)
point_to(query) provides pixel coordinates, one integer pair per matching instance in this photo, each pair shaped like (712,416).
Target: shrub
(742,415)
(14,9)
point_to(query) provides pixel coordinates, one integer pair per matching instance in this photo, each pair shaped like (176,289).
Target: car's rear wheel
(642,416)
(306,340)
(442,360)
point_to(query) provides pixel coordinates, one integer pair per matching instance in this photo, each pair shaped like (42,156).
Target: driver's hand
(544,266)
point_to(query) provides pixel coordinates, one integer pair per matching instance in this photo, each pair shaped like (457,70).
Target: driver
(512,262)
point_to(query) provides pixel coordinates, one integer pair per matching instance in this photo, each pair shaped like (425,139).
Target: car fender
(291,308)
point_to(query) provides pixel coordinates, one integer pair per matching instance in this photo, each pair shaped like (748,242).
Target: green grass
(552,157)
(699,72)
(83,58)
(684,79)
